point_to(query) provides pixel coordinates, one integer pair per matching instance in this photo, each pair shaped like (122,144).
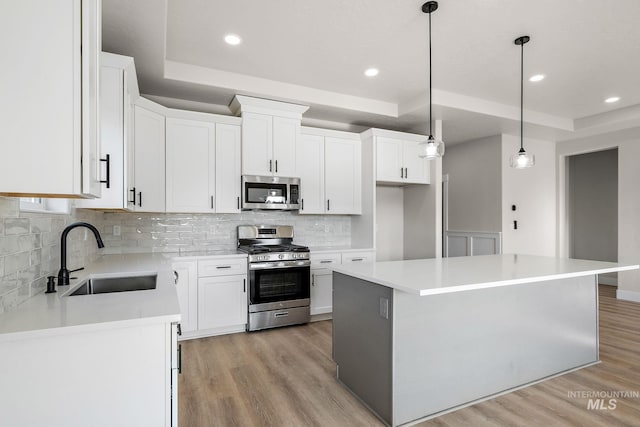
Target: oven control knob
(281,256)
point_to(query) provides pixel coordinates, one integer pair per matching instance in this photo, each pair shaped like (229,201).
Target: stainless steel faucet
(63,274)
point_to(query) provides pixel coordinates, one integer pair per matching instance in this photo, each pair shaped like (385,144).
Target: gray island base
(416,339)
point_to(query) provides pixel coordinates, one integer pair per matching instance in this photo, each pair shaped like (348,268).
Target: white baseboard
(628,295)
(607,280)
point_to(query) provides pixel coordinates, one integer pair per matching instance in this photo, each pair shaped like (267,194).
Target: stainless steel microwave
(270,192)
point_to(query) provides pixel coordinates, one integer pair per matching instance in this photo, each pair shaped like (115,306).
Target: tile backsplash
(141,232)
(30,242)
(30,249)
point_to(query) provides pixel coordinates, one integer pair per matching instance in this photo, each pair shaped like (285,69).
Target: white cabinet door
(389,161)
(342,176)
(190,165)
(91,48)
(187,289)
(228,168)
(222,301)
(286,133)
(149,158)
(48,111)
(416,168)
(257,144)
(311,167)
(112,133)
(321,291)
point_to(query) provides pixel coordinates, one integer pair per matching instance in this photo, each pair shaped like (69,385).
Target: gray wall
(475,184)
(390,223)
(593,205)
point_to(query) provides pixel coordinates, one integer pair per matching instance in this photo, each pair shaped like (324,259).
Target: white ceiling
(315,53)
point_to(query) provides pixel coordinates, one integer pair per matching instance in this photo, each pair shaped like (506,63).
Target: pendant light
(522,159)
(431,148)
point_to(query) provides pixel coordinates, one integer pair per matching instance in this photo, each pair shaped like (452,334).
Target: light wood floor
(285,377)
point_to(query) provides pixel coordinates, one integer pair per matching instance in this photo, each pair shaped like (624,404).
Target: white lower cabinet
(112,376)
(222,302)
(321,291)
(212,292)
(322,275)
(186,274)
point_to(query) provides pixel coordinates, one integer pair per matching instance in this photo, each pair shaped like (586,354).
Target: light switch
(116,230)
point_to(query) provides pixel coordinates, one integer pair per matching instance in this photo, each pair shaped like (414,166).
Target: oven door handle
(278,264)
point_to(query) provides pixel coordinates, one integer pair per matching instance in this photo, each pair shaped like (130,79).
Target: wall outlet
(384,307)
(116,230)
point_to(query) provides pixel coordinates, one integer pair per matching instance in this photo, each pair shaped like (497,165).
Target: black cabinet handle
(270,161)
(276,166)
(133,191)
(328,206)
(313,280)
(238,202)
(108,180)
(140,198)
(301,204)
(244,285)
(177,278)
(179,329)
(406,173)
(401,172)
(179,358)
(211,202)
(223,266)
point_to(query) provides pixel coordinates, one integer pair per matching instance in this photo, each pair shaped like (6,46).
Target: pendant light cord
(430,102)
(521,96)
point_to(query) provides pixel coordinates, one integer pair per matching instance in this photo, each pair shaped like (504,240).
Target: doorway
(592,202)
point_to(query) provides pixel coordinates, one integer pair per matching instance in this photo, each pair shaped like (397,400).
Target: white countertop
(444,275)
(224,253)
(50,314)
(327,249)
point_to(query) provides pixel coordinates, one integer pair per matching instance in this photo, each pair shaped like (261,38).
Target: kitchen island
(416,339)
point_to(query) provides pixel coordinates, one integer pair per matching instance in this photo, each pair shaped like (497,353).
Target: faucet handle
(51,285)
(77,269)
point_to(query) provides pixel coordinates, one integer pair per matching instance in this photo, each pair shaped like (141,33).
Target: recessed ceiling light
(536,77)
(612,99)
(371,72)
(232,39)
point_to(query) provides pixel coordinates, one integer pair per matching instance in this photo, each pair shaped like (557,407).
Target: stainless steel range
(279,276)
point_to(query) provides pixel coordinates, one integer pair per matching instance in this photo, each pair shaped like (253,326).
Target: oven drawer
(274,318)
(325,259)
(222,267)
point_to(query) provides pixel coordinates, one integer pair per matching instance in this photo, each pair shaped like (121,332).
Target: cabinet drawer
(222,267)
(367,256)
(325,259)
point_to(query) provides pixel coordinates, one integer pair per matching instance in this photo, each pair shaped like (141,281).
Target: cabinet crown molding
(242,104)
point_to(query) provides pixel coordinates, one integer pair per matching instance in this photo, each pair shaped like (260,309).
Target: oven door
(273,283)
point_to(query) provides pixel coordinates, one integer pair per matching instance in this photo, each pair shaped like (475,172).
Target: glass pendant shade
(431,148)
(522,160)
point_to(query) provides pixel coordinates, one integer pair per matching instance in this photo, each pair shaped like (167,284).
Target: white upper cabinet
(311,165)
(147,191)
(49,104)
(330,172)
(270,136)
(286,136)
(228,163)
(398,160)
(190,165)
(203,162)
(118,89)
(257,144)
(342,177)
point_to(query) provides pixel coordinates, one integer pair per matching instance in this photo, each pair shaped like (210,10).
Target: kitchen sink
(105,285)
